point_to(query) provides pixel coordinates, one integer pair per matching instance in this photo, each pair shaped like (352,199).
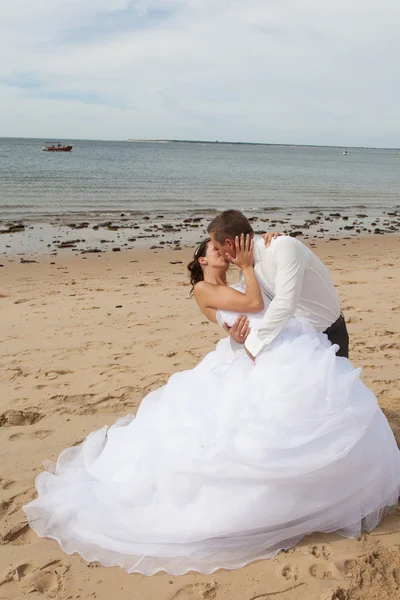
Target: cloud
(263,70)
(112,24)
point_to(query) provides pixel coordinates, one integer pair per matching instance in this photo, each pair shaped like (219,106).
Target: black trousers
(337,334)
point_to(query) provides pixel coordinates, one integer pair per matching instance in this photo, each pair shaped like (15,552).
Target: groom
(289,273)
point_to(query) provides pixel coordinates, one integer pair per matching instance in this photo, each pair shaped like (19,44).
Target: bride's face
(214,259)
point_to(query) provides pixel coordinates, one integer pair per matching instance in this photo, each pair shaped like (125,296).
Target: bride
(231,461)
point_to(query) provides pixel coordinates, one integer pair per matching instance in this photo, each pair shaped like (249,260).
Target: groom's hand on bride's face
(239,330)
(271,235)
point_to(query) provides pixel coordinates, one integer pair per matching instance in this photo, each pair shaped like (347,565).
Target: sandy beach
(86,337)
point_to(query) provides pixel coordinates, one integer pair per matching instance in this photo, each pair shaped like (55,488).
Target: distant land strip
(256,144)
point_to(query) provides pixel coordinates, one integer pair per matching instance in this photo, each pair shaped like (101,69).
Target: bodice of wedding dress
(229,317)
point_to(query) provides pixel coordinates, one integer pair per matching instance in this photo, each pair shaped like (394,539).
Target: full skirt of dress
(227,463)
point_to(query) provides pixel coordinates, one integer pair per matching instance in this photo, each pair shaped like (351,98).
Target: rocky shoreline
(159,231)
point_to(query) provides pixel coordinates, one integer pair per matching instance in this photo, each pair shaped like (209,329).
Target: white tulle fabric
(227,463)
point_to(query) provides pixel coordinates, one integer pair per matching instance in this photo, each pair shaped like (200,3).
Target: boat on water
(345,153)
(57,147)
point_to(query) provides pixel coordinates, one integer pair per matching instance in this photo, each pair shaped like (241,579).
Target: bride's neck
(216,278)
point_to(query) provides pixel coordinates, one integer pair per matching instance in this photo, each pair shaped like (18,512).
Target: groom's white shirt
(299,285)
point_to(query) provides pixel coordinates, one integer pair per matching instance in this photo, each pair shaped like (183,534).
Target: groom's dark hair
(229,224)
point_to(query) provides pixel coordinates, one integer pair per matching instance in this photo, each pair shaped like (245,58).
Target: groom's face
(227,248)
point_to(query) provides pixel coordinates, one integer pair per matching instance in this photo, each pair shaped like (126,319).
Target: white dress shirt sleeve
(291,259)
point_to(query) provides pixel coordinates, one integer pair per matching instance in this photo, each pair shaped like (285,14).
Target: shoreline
(30,238)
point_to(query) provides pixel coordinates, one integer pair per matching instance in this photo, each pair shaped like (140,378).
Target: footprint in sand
(12,373)
(19,535)
(53,374)
(290,572)
(4,507)
(338,594)
(321,551)
(80,399)
(14,418)
(378,572)
(353,320)
(7,484)
(156,381)
(115,369)
(197,591)
(9,506)
(325,570)
(39,434)
(26,578)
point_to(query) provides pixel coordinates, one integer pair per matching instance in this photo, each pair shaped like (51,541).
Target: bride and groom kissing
(271,437)
(295,281)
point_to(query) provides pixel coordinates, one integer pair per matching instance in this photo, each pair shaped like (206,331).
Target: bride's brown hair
(194,267)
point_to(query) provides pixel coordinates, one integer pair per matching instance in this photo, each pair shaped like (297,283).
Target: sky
(273,71)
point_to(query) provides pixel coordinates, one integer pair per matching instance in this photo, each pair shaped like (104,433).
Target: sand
(84,339)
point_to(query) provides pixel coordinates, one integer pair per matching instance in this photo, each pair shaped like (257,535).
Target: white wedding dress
(227,463)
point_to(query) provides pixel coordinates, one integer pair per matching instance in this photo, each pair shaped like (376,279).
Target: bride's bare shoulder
(202,287)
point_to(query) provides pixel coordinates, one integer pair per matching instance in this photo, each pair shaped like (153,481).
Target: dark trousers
(337,334)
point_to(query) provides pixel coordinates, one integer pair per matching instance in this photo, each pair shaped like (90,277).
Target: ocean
(102,179)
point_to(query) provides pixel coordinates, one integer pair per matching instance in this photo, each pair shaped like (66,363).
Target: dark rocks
(68,244)
(79,226)
(13,229)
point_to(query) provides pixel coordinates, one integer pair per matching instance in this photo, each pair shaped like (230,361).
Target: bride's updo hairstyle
(194,267)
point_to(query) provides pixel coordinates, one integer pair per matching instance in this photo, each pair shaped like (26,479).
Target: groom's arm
(291,259)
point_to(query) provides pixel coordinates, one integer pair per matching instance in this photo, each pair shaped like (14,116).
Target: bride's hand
(244,252)
(269,236)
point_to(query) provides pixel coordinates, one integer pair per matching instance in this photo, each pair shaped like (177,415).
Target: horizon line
(183,141)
